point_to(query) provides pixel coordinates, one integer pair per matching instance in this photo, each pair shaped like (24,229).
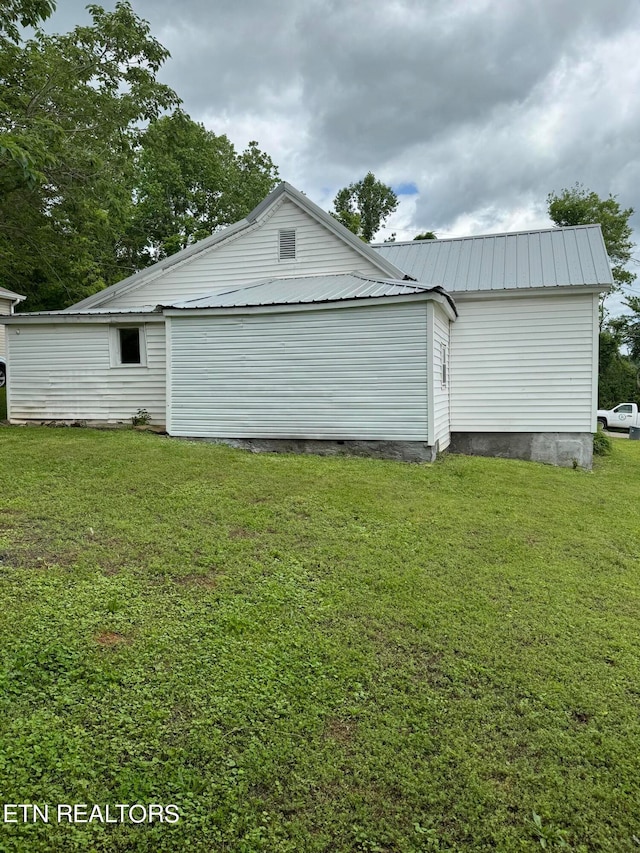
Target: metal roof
(309,289)
(72,312)
(555,257)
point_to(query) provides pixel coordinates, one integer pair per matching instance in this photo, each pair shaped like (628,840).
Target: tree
(188,183)
(96,181)
(426,235)
(617,375)
(71,115)
(28,13)
(364,207)
(579,206)
(627,328)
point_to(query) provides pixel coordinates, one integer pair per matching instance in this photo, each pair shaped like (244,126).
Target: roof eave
(13,297)
(155,270)
(54,317)
(506,292)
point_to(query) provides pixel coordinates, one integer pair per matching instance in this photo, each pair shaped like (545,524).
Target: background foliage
(364,206)
(100,173)
(619,362)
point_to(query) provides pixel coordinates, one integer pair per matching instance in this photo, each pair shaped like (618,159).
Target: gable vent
(287,244)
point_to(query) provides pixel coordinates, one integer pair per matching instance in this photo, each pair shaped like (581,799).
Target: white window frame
(444,365)
(114,345)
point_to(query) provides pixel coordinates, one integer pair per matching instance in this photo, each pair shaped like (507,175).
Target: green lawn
(311,654)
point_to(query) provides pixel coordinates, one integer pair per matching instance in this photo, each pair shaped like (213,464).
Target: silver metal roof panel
(308,289)
(553,257)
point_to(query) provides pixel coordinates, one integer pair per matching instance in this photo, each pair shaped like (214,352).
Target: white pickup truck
(624,416)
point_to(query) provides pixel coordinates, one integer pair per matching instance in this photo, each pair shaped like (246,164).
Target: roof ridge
(557,228)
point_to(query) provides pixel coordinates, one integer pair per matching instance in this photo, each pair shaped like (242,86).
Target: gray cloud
(486,105)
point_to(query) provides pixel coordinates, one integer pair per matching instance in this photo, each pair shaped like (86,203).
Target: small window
(287,244)
(625,408)
(443,363)
(129,346)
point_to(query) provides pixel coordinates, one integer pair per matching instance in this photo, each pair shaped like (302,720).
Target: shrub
(141,418)
(602,444)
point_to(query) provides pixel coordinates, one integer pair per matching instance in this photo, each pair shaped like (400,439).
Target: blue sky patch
(405,189)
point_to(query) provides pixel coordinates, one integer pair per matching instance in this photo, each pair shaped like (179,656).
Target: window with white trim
(287,244)
(444,366)
(128,346)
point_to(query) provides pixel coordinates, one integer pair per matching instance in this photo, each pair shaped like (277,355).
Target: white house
(285,331)
(8,301)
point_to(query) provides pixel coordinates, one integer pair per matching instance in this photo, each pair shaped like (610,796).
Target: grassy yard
(309,654)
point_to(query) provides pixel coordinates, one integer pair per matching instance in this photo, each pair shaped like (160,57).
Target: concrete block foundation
(567,449)
(402,451)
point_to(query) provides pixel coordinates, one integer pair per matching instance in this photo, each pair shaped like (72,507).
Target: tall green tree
(71,114)
(580,206)
(188,183)
(364,207)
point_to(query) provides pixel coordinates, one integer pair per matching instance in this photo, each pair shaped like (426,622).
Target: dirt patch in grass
(109,639)
(32,558)
(341,731)
(582,717)
(203,581)
(242,533)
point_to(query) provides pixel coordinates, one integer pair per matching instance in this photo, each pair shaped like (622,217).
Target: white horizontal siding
(5,308)
(524,364)
(250,257)
(63,372)
(440,393)
(354,373)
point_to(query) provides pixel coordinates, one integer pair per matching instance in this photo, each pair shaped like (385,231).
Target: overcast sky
(473,110)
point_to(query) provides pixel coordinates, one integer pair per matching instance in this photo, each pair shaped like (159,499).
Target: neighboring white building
(285,331)
(8,301)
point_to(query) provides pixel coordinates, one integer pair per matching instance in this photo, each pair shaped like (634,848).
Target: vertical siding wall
(63,372)
(349,373)
(524,364)
(441,326)
(250,257)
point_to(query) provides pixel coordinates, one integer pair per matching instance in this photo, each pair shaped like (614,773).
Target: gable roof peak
(330,222)
(284,189)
